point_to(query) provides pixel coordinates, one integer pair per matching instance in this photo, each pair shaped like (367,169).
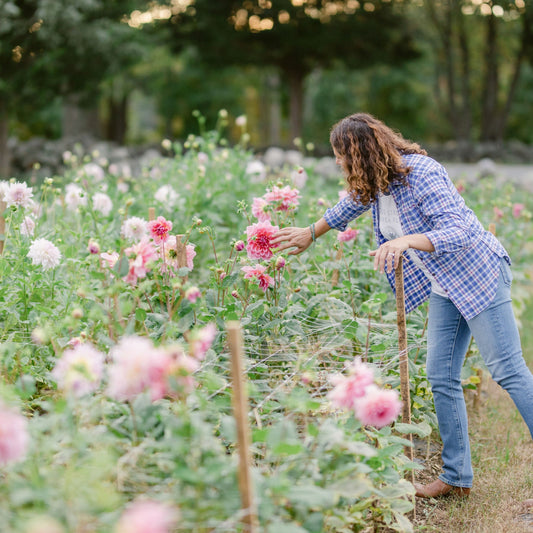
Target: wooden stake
(181,252)
(402,344)
(240,411)
(151,213)
(2,226)
(404,364)
(335,275)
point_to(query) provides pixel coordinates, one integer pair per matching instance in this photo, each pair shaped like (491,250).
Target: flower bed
(116,392)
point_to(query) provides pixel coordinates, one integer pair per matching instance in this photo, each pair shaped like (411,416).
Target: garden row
(116,391)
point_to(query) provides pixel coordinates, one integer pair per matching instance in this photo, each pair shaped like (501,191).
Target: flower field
(116,392)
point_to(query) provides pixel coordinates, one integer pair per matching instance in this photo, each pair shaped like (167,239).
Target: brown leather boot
(438,488)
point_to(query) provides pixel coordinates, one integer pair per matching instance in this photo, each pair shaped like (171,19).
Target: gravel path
(521,175)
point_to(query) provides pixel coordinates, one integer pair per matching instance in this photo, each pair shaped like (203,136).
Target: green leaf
(229,281)
(423,429)
(352,487)
(284,448)
(280,527)
(312,497)
(140,314)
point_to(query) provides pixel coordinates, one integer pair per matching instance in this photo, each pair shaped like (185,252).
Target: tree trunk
(489,118)
(526,40)
(273,135)
(464,122)
(78,120)
(296,85)
(454,99)
(5,157)
(117,121)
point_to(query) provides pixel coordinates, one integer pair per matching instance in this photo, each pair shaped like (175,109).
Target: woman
(448,258)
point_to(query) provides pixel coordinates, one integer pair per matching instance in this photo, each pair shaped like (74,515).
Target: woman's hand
(387,256)
(298,238)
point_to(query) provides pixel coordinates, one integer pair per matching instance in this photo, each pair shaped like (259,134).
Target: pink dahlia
(378,407)
(140,256)
(201,340)
(134,228)
(109,259)
(14,437)
(349,389)
(18,194)
(27,228)
(170,255)
(259,240)
(44,253)
(498,213)
(94,171)
(260,209)
(191,254)
(159,229)
(102,203)
(180,375)
(166,195)
(192,294)
(138,366)
(299,177)
(348,235)
(284,198)
(517,209)
(80,370)
(258,272)
(147,517)
(74,196)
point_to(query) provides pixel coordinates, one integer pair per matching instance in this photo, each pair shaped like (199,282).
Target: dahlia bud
(192,294)
(39,336)
(239,246)
(280,263)
(93,247)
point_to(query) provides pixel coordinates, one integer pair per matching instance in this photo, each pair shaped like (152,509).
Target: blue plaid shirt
(466,259)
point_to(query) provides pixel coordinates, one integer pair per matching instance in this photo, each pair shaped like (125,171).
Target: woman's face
(338,158)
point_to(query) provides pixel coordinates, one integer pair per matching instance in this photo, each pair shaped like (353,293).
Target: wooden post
(404,364)
(335,275)
(2,226)
(240,411)
(151,213)
(402,344)
(181,252)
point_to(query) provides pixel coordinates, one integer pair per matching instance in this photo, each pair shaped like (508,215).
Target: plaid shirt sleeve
(453,225)
(343,212)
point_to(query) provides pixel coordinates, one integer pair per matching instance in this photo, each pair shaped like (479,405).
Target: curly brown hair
(371,155)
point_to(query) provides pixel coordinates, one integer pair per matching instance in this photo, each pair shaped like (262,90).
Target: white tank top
(391,228)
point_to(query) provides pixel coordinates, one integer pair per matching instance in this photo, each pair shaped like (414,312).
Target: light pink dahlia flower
(259,240)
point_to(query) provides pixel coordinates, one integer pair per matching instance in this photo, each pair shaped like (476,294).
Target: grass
(502,456)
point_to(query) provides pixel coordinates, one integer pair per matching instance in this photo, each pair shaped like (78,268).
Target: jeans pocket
(506,272)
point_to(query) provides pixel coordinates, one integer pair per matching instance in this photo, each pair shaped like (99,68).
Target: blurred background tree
(55,57)
(134,70)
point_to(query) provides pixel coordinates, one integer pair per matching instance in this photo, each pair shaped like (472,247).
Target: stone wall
(48,154)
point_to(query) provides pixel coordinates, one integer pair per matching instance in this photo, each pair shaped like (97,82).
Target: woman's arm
(388,254)
(299,238)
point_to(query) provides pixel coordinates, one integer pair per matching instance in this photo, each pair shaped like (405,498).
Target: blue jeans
(497,338)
